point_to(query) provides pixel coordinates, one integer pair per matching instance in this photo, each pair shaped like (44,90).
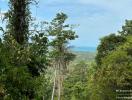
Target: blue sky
(96,18)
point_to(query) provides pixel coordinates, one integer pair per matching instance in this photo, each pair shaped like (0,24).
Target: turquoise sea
(84,49)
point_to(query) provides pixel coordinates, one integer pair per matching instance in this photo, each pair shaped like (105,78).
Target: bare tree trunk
(59,88)
(59,81)
(53,91)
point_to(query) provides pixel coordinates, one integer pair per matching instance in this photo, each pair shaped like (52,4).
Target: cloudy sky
(96,18)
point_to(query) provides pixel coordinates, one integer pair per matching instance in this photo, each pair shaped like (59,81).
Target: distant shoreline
(84,49)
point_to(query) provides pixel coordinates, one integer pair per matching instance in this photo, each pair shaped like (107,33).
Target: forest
(37,63)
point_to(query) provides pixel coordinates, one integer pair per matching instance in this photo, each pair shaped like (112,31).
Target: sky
(96,18)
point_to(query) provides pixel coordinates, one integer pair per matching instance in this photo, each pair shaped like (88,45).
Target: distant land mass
(84,49)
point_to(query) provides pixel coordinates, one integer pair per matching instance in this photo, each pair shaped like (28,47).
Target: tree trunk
(53,91)
(59,88)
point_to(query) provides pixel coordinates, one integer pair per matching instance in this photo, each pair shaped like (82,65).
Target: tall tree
(24,60)
(19,17)
(62,34)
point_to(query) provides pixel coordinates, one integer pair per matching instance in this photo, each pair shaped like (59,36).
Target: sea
(84,49)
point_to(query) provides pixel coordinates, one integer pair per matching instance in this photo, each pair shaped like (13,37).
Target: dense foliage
(110,77)
(24,63)
(36,63)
